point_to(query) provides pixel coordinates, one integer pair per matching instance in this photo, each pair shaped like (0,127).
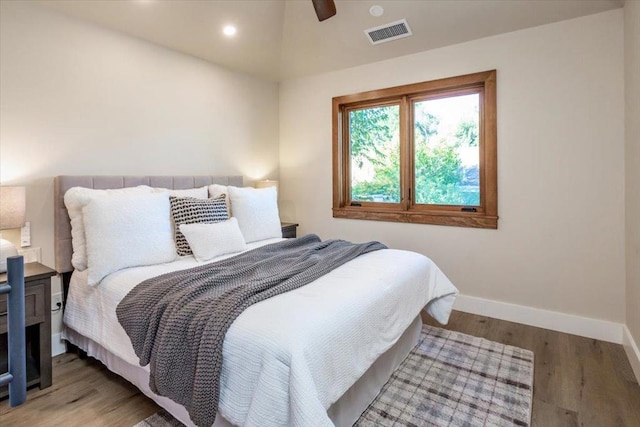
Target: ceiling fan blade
(325,9)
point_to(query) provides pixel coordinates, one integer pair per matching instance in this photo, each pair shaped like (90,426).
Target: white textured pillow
(75,199)
(127,230)
(198,193)
(208,241)
(256,211)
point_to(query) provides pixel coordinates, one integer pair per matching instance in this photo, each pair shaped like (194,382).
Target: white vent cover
(388,32)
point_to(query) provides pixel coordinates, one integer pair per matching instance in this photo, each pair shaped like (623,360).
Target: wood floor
(578,382)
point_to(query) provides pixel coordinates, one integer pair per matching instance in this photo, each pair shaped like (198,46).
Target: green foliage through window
(375,154)
(447,155)
(445,147)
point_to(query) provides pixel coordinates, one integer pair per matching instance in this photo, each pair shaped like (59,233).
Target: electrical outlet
(56,302)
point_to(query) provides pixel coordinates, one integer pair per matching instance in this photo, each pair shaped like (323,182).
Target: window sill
(456,219)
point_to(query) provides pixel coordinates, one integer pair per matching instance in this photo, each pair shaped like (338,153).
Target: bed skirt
(343,412)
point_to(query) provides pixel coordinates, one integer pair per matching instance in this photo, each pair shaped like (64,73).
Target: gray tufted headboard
(62,225)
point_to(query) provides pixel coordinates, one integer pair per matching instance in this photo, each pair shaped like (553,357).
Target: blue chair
(16,378)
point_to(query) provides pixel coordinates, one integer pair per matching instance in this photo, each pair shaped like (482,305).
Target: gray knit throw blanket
(177,321)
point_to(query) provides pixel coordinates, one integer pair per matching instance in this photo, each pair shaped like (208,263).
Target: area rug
(448,379)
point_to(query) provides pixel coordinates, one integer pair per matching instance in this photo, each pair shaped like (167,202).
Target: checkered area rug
(453,379)
(448,379)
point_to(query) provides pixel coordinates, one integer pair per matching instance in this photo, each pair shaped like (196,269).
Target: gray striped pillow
(189,210)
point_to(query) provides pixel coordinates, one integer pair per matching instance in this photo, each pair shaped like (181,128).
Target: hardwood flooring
(578,382)
(84,393)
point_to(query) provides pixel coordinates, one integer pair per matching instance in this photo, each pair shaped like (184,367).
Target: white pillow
(75,199)
(127,230)
(208,241)
(198,193)
(256,211)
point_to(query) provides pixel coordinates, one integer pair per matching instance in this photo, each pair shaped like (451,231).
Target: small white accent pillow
(127,230)
(77,198)
(198,193)
(256,211)
(208,241)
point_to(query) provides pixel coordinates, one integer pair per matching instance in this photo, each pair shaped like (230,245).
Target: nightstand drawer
(289,230)
(34,310)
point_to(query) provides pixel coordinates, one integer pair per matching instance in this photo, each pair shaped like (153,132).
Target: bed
(317,355)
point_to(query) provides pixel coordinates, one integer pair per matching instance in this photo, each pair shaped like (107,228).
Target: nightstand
(289,229)
(37,293)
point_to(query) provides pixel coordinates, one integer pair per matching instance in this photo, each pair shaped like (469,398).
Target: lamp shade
(264,183)
(12,207)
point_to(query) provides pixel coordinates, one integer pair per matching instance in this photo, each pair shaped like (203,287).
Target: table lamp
(12,215)
(265,183)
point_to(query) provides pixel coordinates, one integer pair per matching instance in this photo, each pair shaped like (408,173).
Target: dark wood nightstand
(37,293)
(289,229)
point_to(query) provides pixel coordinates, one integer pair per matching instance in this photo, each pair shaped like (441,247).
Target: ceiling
(282,39)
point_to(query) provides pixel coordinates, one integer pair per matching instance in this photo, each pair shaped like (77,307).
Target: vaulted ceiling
(282,39)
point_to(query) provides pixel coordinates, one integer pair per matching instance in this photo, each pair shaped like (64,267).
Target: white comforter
(287,359)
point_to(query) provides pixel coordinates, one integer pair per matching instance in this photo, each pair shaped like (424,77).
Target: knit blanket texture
(177,321)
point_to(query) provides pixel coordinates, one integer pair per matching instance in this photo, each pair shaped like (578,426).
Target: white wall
(560,243)
(78,99)
(632,157)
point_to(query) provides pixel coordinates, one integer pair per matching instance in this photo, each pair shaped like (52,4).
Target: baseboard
(633,354)
(568,323)
(58,345)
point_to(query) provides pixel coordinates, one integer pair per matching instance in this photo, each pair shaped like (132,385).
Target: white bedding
(287,359)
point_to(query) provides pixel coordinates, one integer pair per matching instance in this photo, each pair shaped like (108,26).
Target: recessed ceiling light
(376,10)
(229,30)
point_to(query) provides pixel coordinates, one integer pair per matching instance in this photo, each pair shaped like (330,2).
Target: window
(421,153)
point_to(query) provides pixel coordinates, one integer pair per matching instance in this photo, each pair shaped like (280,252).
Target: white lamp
(12,215)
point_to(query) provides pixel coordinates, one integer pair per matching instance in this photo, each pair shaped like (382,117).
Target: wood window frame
(485,215)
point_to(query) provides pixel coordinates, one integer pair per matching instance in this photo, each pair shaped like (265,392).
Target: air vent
(388,32)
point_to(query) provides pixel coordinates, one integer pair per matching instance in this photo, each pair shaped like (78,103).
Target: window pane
(375,154)
(447,153)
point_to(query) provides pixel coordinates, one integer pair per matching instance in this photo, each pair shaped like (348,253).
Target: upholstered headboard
(62,227)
